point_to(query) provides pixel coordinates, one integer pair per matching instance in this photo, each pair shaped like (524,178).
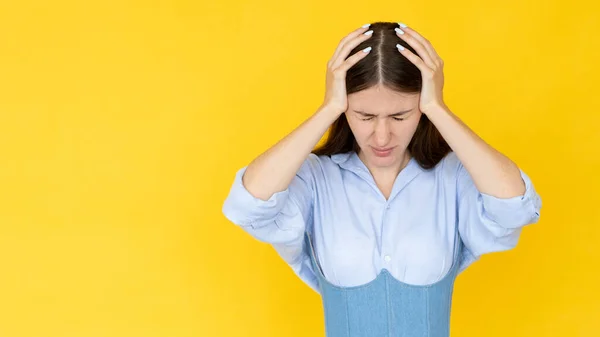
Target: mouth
(382,152)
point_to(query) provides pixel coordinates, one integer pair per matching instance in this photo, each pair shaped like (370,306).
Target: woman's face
(383,122)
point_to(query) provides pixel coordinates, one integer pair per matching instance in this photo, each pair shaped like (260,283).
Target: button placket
(386,257)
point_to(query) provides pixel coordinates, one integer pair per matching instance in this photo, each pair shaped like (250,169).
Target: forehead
(380,99)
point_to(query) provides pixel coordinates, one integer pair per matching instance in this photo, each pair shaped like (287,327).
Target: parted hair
(386,66)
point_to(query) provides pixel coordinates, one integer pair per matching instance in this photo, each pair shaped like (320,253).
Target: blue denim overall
(386,306)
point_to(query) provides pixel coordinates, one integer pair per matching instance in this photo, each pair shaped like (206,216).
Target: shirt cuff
(517,211)
(243,208)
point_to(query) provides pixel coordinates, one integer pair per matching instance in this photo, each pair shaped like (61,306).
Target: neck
(385,177)
(387,174)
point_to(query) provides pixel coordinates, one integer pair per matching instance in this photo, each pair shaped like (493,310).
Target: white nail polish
(399,47)
(369,32)
(402,25)
(366,50)
(399,31)
(365,26)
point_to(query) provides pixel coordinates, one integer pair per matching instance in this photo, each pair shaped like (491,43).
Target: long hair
(385,65)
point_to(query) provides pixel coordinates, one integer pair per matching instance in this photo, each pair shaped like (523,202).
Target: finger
(350,36)
(349,46)
(416,60)
(417,46)
(426,43)
(352,60)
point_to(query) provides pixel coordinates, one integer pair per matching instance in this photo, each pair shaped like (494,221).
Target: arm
(261,190)
(489,223)
(495,199)
(492,172)
(273,170)
(272,197)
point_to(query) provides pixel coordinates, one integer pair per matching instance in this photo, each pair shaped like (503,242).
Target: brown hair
(385,65)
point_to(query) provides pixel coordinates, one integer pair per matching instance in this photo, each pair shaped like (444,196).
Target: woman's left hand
(430,65)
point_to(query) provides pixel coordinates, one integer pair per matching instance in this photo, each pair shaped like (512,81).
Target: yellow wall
(122,124)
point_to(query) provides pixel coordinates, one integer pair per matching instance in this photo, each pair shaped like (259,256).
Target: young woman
(400,198)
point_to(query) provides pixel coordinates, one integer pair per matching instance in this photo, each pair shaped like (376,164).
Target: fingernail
(366,50)
(367,25)
(402,25)
(399,31)
(369,32)
(399,47)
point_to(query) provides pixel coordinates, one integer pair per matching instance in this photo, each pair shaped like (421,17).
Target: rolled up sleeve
(514,212)
(280,219)
(488,223)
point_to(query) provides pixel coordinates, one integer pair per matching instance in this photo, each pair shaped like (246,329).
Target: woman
(400,198)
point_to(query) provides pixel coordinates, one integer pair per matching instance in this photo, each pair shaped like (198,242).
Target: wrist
(330,111)
(436,109)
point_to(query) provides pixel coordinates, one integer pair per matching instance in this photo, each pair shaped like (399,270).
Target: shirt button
(387,207)
(387,258)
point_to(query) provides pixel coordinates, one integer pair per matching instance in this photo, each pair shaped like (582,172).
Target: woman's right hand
(335,93)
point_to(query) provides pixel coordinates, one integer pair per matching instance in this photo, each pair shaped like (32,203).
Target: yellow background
(122,124)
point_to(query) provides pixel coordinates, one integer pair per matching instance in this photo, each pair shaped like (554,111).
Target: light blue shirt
(357,232)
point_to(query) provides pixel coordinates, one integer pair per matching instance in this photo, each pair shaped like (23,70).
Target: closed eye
(368,117)
(395,118)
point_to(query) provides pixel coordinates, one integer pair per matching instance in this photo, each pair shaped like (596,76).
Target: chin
(384,161)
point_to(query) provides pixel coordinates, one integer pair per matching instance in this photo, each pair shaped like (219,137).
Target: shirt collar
(339,158)
(350,161)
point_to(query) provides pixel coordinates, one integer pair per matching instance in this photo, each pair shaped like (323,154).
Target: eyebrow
(395,114)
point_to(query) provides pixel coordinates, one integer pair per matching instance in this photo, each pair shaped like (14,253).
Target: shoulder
(450,160)
(317,166)
(314,161)
(449,166)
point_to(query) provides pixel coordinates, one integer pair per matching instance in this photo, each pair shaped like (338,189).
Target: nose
(382,132)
